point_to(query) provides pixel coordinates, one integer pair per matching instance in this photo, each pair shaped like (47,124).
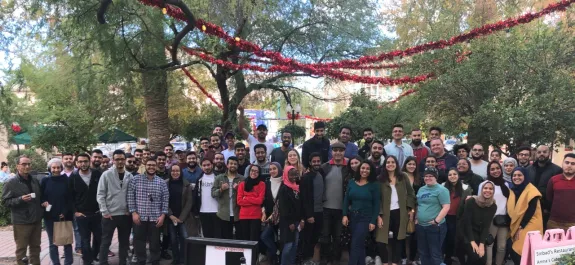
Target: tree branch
(294,30)
(102,10)
(140,64)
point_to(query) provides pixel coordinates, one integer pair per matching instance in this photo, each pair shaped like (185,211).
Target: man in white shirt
(207,206)
(262,133)
(230,139)
(397,147)
(478,165)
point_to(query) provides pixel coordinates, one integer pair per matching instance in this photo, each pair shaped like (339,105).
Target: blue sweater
(55,192)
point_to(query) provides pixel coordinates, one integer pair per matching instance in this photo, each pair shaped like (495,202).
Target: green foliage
(566,259)
(365,112)
(297,132)
(5,215)
(37,160)
(512,89)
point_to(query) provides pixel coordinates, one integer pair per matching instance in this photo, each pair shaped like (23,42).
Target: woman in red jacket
(251,194)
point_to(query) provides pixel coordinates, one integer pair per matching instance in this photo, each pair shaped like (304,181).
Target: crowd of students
(394,203)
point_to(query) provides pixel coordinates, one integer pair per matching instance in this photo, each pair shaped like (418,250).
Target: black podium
(214,251)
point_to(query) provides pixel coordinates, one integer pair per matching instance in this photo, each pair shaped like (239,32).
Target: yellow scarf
(517,210)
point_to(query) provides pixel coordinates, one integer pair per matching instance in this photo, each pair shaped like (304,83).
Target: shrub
(5,218)
(38,161)
(566,259)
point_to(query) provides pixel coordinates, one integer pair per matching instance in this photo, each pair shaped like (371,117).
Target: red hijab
(286,181)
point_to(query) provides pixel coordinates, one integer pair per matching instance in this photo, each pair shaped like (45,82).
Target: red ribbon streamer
(247,46)
(202,89)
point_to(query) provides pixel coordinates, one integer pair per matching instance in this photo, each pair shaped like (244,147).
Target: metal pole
(292,117)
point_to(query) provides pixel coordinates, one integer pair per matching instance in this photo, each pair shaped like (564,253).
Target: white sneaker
(369,261)
(404,261)
(378,260)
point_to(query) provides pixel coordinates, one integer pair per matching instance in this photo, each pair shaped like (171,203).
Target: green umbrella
(22,138)
(116,136)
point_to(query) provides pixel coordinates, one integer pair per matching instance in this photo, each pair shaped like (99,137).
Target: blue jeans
(429,242)
(290,249)
(359,228)
(54,255)
(268,237)
(77,238)
(178,235)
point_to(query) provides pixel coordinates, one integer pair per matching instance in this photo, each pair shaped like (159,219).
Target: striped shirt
(149,198)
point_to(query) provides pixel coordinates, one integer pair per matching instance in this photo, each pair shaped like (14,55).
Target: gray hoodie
(112,193)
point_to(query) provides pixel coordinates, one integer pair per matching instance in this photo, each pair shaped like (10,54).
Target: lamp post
(293,113)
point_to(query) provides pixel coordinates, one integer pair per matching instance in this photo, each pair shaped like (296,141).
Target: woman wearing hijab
(57,199)
(251,193)
(179,208)
(270,215)
(476,219)
(467,176)
(361,203)
(525,211)
(291,216)
(508,165)
(500,225)
(458,192)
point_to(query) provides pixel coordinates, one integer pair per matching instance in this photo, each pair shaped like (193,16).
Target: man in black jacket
(318,143)
(22,195)
(84,187)
(312,189)
(540,172)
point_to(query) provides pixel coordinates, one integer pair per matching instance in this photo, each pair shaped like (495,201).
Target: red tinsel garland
(247,46)
(321,72)
(202,89)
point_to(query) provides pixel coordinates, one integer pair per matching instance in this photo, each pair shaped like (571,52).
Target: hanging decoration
(202,89)
(488,29)
(315,71)
(16,127)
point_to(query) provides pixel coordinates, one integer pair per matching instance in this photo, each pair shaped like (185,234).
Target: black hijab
(250,182)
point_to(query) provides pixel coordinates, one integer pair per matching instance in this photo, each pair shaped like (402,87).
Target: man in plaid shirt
(148,199)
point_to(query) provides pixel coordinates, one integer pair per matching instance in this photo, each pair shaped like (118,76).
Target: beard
(192,165)
(376,155)
(151,172)
(219,165)
(416,142)
(130,168)
(286,143)
(97,164)
(542,160)
(476,158)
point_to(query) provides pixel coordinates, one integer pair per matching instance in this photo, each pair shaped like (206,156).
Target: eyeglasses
(522,154)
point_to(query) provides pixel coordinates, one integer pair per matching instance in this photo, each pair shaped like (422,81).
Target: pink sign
(546,250)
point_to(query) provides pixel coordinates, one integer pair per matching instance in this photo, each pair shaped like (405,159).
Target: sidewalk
(8,249)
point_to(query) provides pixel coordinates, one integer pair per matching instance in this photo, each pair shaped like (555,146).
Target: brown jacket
(406,197)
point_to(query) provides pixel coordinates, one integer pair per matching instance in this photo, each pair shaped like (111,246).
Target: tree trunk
(155,84)
(156,100)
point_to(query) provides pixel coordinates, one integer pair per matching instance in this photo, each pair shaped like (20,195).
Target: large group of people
(380,203)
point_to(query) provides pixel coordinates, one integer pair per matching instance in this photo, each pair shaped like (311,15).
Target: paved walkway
(8,250)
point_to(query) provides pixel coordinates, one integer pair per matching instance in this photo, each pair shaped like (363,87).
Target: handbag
(411,227)
(502,220)
(63,233)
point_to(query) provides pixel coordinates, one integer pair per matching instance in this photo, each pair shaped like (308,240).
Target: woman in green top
(361,203)
(397,201)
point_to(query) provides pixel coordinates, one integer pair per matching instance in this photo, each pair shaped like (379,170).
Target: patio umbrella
(116,136)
